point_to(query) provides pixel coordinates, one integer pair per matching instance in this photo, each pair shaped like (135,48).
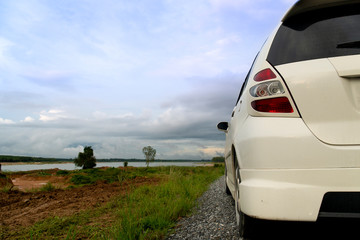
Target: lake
(71,166)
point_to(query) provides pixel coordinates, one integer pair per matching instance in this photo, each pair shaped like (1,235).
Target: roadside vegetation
(147,211)
(5,183)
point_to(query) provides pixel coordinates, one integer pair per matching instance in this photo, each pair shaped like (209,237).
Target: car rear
(299,146)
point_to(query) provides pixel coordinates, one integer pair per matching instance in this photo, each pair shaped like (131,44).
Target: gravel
(214,218)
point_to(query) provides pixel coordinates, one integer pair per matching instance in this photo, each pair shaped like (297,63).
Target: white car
(292,148)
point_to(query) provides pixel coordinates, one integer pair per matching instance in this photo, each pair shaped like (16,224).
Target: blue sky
(123,74)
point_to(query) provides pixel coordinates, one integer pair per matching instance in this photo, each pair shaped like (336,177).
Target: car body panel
(289,161)
(329,104)
(347,66)
(293,195)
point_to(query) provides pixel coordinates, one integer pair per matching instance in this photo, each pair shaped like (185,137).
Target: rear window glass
(323,33)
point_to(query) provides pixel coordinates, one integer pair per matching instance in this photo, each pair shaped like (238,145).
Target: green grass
(110,175)
(43,173)
(47,187)
(147,212)
(7,188)
(62,173)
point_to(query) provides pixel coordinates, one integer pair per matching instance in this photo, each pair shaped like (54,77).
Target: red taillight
(273,105)
(263,75)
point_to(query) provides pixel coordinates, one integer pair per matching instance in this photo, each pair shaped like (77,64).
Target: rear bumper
(286,170)
(292,195)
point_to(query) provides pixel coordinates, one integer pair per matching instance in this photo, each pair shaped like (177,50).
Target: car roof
(303,6)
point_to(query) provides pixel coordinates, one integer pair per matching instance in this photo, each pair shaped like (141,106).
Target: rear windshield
(323,33)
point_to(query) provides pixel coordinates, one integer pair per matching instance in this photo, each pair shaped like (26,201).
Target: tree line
(7,158)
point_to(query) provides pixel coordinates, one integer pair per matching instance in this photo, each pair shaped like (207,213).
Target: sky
(119,75)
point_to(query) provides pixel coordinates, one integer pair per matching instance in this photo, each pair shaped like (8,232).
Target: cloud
(183,128)
(73,151)
(28,119)
(6,121)
(212,151)
(52,115)
(124,75)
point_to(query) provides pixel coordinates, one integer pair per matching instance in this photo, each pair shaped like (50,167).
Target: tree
(218,159)
(149,153)
(86,159)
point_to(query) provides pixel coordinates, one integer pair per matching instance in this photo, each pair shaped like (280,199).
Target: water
(71,166)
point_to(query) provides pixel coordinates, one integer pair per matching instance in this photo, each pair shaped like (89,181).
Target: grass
(110,175)
(47,187)
(146,212)
(43,173)
(7,187)
(62,173)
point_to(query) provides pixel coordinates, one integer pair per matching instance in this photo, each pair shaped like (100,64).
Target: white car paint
(290,160)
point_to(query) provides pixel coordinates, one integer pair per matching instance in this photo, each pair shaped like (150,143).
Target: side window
(245,81)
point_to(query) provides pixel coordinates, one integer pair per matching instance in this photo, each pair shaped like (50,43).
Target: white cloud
(73,151)
(28,119)
(6,121)
(212,151)
(52,115)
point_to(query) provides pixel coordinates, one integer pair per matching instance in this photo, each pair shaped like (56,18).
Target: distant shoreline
(30,163)
(100,161)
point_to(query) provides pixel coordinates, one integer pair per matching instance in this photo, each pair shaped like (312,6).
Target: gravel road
(213,219)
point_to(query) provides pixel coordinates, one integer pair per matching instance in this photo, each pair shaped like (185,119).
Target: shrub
(62,172)
(43,173)
(81,179)
(6,188)
(218,165)
(48,187)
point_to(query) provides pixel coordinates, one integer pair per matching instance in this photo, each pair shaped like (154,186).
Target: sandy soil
(21,208)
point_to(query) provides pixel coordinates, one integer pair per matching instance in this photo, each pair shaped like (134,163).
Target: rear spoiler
(303,6)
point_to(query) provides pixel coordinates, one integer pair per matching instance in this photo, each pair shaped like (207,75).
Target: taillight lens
(265,74)
(273,105)
(267,89)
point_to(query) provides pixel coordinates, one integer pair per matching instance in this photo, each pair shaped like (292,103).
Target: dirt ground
(21,207)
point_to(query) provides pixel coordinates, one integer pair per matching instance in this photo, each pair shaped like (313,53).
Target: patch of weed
(43,173)
(7,188)
(47,188)
(81,179)
(62,173)
(219,165)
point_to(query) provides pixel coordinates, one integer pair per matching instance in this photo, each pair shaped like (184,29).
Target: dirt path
(22,209)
